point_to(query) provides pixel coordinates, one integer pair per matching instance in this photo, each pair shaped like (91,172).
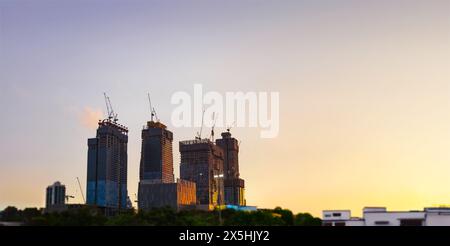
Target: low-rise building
(179,195)
(380,216)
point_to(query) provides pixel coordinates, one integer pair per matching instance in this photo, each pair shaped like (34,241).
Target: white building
(379,216)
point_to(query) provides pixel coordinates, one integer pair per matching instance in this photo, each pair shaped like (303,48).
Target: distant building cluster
(55,197)
(209,170)
(379,216)
(206,167)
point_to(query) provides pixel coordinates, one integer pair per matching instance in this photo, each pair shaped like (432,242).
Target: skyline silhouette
(364,93)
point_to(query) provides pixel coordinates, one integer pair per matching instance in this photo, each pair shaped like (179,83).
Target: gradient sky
(364,93)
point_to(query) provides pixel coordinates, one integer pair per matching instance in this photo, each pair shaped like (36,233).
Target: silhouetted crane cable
(81,190)
(230,126)
(213,125)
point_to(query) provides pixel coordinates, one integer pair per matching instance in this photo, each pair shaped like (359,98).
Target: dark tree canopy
(87,216)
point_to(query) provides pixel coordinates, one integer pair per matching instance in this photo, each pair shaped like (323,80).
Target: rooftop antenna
(199,134)
(109,108)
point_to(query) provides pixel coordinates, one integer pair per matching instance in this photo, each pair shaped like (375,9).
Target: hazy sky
(364,93)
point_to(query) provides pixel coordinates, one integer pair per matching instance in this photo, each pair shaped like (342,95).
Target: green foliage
(74,217)
(253,218)
(125,219)
(306,219)
(29,213)
(89,216)
(11,214)
(286,215)
(197,218)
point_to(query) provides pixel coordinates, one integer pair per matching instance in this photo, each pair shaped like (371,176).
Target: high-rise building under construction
(156,153)
(157,187)
(107,166)
(233,185)
(202,163)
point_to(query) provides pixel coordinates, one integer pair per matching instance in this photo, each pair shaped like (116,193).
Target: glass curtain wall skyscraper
(107,166)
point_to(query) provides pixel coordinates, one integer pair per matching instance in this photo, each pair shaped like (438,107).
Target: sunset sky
(364,93)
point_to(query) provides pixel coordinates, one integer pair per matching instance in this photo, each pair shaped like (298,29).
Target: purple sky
(364,92)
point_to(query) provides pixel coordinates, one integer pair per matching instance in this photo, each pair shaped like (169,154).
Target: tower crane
(199,134)
(152,110)
(109,108)
(67,198)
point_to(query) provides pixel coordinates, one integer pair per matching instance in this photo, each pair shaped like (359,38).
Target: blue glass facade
(107,166)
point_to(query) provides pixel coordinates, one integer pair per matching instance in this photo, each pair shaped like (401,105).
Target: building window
(382,222)
(411,222)
(336,214)
(339,224)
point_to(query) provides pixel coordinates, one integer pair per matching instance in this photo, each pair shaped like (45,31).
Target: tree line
(88,216)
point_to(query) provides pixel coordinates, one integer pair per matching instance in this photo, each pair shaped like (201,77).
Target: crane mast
(109,108)
(152,109)
(199,134)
